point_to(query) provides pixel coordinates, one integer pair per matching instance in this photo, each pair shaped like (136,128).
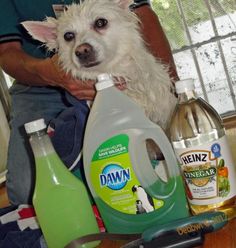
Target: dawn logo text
(114,177)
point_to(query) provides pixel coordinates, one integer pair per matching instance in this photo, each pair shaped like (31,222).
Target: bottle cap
(104,81)
(184,85)
(35,126)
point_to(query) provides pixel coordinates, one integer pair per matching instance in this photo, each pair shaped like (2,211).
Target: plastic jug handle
(147,176)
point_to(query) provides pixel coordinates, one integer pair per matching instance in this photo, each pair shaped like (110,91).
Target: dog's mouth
(91,64)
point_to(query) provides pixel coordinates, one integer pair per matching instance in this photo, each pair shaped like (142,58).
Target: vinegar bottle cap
(104,81)
(35,126)
(184,85)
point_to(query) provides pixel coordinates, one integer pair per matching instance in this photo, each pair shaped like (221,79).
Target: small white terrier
(103,36)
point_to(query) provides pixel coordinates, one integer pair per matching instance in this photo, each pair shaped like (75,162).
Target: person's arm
(41,72)
(155,37)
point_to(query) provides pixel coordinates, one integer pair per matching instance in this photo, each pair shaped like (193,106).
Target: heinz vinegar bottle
(198,137)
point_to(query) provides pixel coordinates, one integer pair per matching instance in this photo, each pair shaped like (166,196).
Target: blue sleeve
(9,22)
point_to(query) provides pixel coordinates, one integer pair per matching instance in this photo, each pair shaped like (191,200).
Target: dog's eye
(100,23)
(68,36)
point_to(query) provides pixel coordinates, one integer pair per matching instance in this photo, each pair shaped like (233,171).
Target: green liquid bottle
(130,195)
(60,199)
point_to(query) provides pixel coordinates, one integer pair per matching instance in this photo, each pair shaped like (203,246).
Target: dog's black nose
(85,54)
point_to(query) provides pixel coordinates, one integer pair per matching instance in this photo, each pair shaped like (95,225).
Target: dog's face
(91,38)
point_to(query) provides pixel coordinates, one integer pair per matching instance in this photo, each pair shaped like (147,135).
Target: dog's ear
(45,31)
(124,4)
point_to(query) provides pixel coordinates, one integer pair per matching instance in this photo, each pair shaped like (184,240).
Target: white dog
(103,36)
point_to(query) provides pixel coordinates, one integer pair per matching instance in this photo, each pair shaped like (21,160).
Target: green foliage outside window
(195,12)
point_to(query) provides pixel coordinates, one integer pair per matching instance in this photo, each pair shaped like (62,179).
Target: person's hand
(52,73)
(56,76)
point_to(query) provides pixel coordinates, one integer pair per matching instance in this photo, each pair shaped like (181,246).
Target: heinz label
(208,172)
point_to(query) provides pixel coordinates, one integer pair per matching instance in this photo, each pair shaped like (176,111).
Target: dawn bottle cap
(104,81)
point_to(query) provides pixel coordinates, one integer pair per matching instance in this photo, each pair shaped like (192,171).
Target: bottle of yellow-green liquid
(60,199)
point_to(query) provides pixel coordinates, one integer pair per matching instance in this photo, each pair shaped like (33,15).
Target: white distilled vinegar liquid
(199,140)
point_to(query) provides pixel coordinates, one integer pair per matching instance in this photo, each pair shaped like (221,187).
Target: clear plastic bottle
(130,196)
(198,137)
(60,199)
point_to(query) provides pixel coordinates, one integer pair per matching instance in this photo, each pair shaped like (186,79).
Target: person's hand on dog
(77,87)
(41,72)
(44,72)
(56,76)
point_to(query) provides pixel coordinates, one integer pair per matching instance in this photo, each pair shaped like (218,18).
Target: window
(202,35)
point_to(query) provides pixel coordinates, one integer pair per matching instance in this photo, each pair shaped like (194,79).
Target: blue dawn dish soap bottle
(128,192)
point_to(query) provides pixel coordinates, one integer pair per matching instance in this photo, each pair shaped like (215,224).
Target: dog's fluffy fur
(117,48)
